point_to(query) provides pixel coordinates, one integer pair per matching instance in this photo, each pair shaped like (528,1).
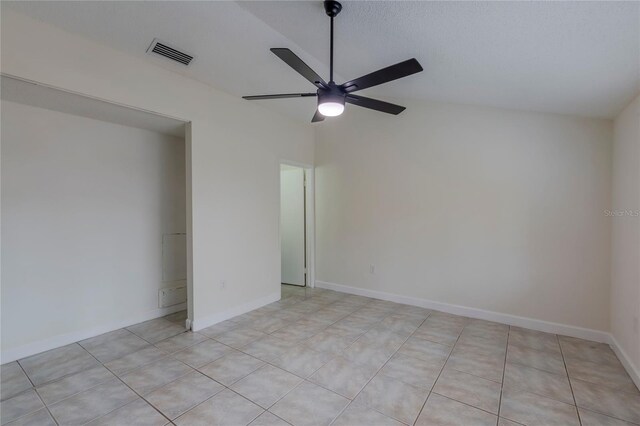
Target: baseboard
(531,323)
(200,323)
(633,370)
(34,348)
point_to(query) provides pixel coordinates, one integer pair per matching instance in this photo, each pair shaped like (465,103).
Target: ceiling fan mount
(331,96)
(332,8)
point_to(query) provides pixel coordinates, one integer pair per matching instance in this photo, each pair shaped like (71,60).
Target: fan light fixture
(330,105)
(331,109)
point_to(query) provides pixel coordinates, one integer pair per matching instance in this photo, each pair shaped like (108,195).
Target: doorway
(293,225)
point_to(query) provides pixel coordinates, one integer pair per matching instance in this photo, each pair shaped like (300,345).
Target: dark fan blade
(297,64)
(317,117)
(384,75)
(280,96)
(375,104)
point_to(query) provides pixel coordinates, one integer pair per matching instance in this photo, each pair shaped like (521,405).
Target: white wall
(84,206)
(236,148)
(485,208)
(292,224)
(625,248)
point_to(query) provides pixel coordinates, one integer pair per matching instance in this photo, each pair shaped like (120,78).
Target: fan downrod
(332,8)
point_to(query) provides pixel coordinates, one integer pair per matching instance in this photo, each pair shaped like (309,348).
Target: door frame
(310,219)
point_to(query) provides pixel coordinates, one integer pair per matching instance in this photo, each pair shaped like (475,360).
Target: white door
(292,223)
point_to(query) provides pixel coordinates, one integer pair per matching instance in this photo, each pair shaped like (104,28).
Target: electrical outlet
(372,269)
(223,284)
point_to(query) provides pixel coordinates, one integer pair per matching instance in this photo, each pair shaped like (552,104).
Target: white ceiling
(580,58)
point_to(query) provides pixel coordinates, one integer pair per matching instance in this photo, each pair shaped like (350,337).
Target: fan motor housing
(332,94)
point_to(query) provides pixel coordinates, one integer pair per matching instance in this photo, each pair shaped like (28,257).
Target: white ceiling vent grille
(161,48)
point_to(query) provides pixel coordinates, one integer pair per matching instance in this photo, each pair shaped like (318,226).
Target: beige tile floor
(319,357)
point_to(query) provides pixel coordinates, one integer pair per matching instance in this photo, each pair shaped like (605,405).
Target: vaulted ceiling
(579,58)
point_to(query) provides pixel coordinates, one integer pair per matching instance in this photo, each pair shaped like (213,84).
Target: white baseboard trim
(633,370)
(200,323)
(34,348)
(531,323)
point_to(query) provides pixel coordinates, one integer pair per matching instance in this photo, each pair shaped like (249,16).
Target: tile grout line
(26,375)
(175,380)
(440,373)
(305,379)
(273,414)
(531,366)
(65,376)
(599,386)
(129,387)
(612,417)
(35,390)
(231,390)
(248,374)
(33,386)
(474,375)
(46,407)
(504,369)
(385,363)
(334,355)
(464,372)
(83,390)
(149,341)
(546,396)
(359,392)
(465,403)
(207,399)
(93,386)
(197,405)
(441,370)
(564,362)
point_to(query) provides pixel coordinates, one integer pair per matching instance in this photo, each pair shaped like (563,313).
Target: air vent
(161,48)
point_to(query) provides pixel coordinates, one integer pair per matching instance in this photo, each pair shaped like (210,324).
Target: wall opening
(95,209)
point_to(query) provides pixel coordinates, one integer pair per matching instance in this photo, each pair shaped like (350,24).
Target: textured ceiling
(580,58)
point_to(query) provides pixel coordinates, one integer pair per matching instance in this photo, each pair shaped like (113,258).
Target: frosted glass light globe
(331,109)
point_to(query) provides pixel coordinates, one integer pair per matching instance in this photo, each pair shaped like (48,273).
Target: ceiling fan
(332,97)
